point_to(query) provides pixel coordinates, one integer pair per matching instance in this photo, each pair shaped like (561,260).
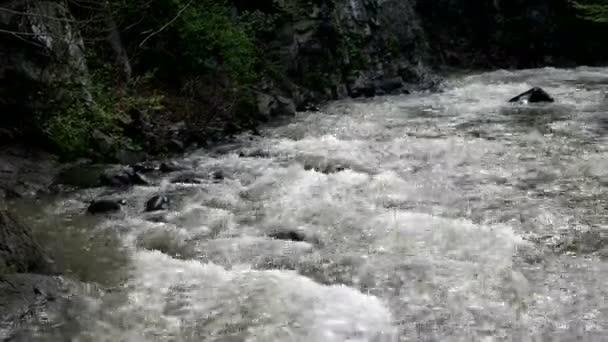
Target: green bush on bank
(178,39)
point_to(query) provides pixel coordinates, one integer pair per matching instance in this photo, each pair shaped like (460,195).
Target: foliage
(169,42)
(594,10)
(70,122)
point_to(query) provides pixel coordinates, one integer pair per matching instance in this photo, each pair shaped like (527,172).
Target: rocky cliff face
(42,59)
(338,48)
(510,33)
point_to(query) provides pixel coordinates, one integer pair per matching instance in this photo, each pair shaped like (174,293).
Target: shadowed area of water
(450,216)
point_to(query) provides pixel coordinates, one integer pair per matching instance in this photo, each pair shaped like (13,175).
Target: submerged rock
(157,203)
(534,95)
(105,206)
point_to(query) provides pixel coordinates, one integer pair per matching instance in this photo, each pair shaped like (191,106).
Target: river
(447,216)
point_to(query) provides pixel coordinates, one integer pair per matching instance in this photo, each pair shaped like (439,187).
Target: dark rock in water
(122,176)
(157,203)
(187,178)
(391,85)
(105,206)
(367,90)
(534,95)
(254,153)
(19,252)
(145,167)
(290,235)
(170,167)
(217,175)
(325,169)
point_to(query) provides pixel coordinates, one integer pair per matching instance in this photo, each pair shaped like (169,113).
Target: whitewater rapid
(447,216)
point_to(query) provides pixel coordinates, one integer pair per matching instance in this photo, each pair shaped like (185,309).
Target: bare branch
(27,14)
(167,24)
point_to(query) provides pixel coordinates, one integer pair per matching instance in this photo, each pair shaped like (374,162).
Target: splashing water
(450,216)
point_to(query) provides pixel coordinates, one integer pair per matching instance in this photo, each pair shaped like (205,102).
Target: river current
(446,216)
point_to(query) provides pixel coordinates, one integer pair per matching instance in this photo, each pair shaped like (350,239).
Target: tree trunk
(122,58)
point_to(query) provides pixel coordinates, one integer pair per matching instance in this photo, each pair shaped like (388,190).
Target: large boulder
(534,95)
(19,252)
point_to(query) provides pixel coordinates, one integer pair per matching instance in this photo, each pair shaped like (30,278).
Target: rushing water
(450,216)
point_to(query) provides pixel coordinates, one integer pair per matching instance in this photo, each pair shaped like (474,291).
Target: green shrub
(594,10)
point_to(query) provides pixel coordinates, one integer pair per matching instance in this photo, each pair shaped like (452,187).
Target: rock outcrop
(336,48)
(534,95)
(19,252)
(43,60)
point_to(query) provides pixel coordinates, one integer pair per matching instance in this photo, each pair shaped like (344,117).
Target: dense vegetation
(161,68)
(175,53)
(198,60)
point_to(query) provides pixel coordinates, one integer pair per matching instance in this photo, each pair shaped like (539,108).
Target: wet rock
(157,203)
(534,95)
(145,167)
(254,153)
(81,175)
(270,106)
(187,178)
(170,167)
(176,145)
(587,242)
(19,252)
(129,156)
(327,169)
(217,175)
(105,206)
(26,171)
(363,90)
(33,305)
(391,85)
(103,143)
(291,235)
(122,176)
